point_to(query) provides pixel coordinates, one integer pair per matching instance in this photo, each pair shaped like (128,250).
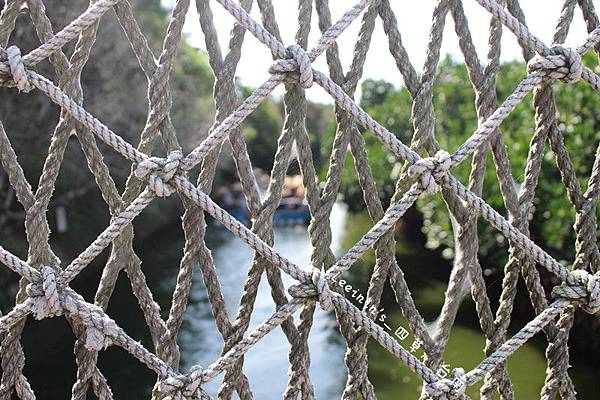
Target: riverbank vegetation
(456,120)
(552,216)
(426,272)
(114,73)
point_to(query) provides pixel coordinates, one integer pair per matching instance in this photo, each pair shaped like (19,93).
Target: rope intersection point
(160,171)
(587,293)
(323,292)
(297,61)
(17,69)
(47,302)
(565,64)
(430,170)
(452,389)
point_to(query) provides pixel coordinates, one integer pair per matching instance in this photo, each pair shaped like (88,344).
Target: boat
(292,209)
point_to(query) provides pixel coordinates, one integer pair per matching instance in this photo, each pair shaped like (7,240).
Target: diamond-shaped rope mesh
(46,281)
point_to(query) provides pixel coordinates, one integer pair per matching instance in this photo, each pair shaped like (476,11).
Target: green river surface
(394,381)
(48,344)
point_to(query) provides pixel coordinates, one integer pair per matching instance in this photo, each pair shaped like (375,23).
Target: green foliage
(391,108)
(153,17)
(191,87)
(456,119)
(261,130)
(263,127)
(393,380)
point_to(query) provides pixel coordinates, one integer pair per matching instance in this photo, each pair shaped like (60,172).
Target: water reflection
(266,364)
(48,344)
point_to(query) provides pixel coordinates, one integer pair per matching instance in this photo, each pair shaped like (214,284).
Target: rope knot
(323,292)
(586,292)
(565,64)
(17,69)
(430,169)
(95,338)
(174,386)
(183,386)
(160,171)
(297,61)
(450,389)
(47,301)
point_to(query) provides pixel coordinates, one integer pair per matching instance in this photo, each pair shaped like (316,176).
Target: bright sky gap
(414,27)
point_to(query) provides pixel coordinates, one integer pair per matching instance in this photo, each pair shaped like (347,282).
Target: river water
(266,364)
(48,344)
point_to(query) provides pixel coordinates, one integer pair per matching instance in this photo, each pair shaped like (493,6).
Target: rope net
(45,290)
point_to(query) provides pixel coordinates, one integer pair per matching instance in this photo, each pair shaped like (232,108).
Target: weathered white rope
(112,138)
(48,292)
(105,332)
(112,231)
(128,151)
(564,65)
(451,388)
(251,102)
(159,172)
(536,44)
(302,63)
(68,33)
(323,292)
(19,266)
(17,314)
(47,300)
(47,305)
(228,221)
(391,216)
(510,346)
(587,293)
(429,170)
(17,69)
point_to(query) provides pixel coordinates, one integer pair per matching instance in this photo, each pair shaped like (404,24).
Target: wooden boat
(292,209)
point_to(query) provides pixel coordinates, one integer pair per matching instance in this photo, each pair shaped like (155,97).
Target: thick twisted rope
(48,293)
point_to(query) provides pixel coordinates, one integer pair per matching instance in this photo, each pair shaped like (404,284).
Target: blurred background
(115,92)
